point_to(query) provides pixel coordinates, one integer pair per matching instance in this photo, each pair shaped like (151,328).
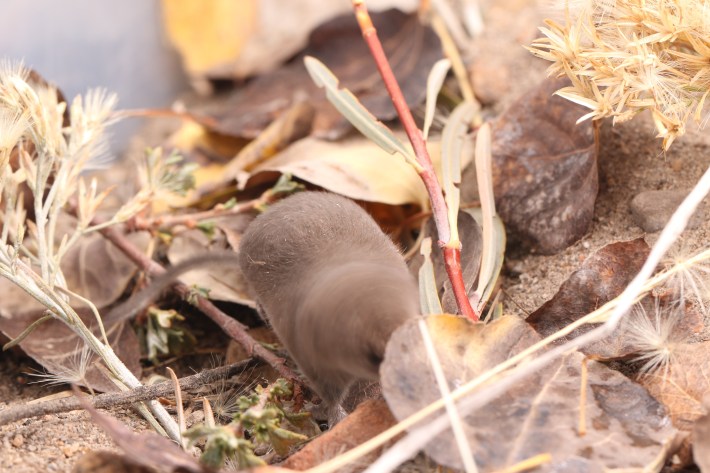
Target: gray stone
(651,210)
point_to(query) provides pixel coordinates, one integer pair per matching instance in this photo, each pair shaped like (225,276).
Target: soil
(630,161)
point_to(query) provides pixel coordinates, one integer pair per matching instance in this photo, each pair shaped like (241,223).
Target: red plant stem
(452,249)
(452,261)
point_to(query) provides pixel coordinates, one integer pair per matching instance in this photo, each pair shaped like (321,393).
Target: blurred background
(80,44)
(149,51)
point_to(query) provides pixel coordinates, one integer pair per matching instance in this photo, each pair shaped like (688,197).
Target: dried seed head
(654,337)
(626,56)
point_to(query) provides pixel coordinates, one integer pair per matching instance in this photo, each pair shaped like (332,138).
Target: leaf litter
(548,231)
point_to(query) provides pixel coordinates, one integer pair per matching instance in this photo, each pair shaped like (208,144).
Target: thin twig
(451,248)
(124,398)
(203,120)
(230,326)
(192,219)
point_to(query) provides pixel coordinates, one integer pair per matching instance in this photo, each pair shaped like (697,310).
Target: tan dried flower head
(654,338)
(626,56)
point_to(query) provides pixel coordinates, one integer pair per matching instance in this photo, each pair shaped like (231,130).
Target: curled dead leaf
(602,277)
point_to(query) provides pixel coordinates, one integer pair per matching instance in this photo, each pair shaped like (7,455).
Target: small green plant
(262,418)
(164,334)
(627,56)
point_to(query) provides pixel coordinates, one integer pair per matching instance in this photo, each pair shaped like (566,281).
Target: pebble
(651,210)
(18,441)
(490,79)
(70,450)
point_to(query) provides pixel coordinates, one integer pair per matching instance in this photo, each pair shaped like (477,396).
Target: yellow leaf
(209,33)
(356,168)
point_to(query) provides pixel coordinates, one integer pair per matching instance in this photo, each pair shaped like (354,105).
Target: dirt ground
(630,162)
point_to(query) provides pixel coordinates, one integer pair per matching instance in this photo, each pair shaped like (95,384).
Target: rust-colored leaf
(602,277)
(544,170)
(369,419)
(539,415)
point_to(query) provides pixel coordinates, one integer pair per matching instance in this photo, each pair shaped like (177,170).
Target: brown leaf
(224,282)
(539,415)
(94,269)
(411,48)
(97,270)
(471,241)
(602,277)
(369,419)
(108,462)
(148,449)
(683,386)
(544,170)
(59,350)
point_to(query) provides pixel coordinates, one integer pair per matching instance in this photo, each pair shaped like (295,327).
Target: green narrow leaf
(349,106)
(433,87)
(428,295)
(452,146)
(493,250)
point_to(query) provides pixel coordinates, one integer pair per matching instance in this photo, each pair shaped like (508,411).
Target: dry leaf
(239,39)
(412,49)
(59,350)
(683,386)
(96,270)
(602,277)
(544,170)
(209,34)
(626,427)
(356,168)
(93,268)
(108,462)
(369,419)
(224,282)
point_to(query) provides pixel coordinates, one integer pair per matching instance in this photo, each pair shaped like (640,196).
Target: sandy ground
(630,161)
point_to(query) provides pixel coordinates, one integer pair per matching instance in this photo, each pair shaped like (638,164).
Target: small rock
(70,450)
(490,78)
(651,210)
(18,441)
